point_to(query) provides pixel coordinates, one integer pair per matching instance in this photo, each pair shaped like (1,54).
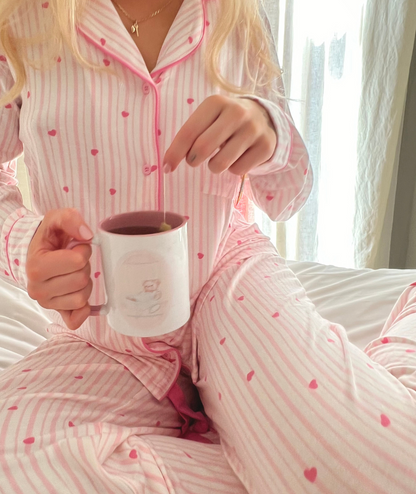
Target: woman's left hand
(240,128)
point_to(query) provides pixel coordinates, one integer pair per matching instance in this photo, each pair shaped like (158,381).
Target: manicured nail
(167,168)
(192,158)
(85,232)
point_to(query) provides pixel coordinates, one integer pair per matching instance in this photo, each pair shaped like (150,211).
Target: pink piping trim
(178,370)
(143,76)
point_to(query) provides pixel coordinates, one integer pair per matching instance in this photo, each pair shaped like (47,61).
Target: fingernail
(192,158)
(167,168)
(85,232)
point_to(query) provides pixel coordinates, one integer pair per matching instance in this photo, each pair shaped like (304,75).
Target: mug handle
(96,310)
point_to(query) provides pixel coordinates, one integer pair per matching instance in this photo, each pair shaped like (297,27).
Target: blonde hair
(240,15)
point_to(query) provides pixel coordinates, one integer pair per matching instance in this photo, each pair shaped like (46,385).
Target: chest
(148,34)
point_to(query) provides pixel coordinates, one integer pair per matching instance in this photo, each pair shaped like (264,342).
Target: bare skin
(153,31)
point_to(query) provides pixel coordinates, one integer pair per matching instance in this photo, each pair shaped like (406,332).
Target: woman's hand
(59,278)
(240,128)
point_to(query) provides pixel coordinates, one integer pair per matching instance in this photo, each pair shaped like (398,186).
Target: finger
(64,285)
(252,158)
(49,264)
(203,117)
(216,136)
(75,318)
(72,301)
(235,147)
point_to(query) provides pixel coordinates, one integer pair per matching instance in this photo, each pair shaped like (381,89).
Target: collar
(102,26)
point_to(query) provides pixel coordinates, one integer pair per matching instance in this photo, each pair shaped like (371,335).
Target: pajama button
(146,88)
(146,170)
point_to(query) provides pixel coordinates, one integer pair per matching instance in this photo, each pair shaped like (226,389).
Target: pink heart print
(52,132)
(275,315)
(17,262)
(29,440)
(310,474)
(97,274)
(385,421)
(190,39)
(200,255)
(106,62)
(384,341)
(313,384)
(250,375)
(133,454)
(125,114)
(219,396)
(112,191)
(102,41)
(8,106)
(71,424)
(241,298)
(222,341)
(79,377)
(3,58)
(269,197)
(190,101)
(59,59)
(66,189)
(94,152)
(13,408)
(45,5)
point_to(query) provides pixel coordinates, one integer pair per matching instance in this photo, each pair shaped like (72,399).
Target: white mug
(146,276)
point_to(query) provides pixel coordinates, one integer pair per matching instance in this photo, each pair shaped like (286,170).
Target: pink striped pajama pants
(297,408)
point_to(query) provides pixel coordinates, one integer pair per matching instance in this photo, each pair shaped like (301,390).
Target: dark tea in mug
(134,230)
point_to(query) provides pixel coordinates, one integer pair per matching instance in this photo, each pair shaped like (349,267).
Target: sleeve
(281,186)
(17,224)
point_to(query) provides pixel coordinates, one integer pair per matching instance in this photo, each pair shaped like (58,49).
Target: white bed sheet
(360,300)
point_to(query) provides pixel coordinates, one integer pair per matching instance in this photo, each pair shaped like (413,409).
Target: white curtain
(346,66)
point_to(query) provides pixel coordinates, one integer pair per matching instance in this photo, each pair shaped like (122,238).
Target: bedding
(359,299)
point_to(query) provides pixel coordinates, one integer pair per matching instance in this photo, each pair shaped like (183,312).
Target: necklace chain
(135,26)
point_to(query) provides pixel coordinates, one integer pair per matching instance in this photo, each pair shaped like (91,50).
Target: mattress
(359,299)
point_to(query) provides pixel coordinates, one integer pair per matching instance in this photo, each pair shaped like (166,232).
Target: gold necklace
(135,26)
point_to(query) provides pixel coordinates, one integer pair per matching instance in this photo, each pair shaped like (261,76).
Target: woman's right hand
(59,278)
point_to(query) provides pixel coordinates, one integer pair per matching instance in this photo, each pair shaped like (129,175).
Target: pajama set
(285,404)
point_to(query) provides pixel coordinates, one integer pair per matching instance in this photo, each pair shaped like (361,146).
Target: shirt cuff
(284,132)
(17,233)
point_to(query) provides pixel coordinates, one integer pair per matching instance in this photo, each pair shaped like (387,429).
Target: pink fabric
(95,141)
(296,407)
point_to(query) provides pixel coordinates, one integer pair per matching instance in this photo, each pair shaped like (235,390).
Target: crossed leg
(73,420)
(298,408)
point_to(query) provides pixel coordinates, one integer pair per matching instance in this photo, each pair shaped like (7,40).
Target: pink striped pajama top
(95,140)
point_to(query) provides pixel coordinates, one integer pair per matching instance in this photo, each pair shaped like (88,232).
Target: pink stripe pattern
(289,405)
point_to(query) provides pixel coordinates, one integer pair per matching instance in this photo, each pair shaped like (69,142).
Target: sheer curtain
(346,66)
